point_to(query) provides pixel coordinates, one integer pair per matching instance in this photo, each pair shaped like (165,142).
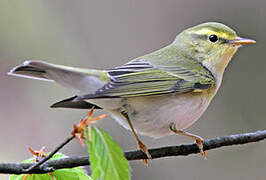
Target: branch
(35,165)
(181,150)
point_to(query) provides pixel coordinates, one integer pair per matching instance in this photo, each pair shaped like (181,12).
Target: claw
(144,149)
(199,142)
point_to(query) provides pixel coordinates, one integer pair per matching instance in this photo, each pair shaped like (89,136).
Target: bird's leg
(199,140)
(141,146)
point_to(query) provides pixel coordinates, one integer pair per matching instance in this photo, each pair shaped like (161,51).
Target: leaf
(106,157)
(67,174)
(31,177)
(71,174)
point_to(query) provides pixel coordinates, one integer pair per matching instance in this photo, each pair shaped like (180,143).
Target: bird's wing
(144,77)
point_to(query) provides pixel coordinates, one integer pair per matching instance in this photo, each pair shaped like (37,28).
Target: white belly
(151,115)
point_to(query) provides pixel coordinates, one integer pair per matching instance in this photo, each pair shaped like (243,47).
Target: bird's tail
(80,80)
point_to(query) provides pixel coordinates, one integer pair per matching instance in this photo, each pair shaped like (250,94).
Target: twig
(181,150)
(35,165)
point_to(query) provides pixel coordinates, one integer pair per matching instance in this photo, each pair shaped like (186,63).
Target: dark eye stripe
(205,37)
(223,40)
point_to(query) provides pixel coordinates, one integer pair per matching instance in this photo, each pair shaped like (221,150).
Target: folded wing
(143,78)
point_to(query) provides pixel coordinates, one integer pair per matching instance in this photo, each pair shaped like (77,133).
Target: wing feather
(142,78)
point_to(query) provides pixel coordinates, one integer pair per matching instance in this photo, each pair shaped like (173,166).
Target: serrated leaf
(106,157)
(67,174)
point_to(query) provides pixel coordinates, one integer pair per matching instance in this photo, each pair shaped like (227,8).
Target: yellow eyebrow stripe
(207,31)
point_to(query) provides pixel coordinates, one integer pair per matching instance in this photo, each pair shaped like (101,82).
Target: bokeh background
(103,34)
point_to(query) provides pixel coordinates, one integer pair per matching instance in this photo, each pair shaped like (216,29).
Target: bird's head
(213,44)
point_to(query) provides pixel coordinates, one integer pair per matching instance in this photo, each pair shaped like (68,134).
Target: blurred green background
(103,34)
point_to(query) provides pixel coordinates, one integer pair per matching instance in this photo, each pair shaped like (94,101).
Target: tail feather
(28,71)
(74,103)
(78,79)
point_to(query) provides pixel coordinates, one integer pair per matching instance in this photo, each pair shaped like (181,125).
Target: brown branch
(181,150)
(35,165)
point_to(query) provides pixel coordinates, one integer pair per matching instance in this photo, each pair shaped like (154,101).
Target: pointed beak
(242,41)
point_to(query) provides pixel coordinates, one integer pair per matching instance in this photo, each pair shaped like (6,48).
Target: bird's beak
(242,41)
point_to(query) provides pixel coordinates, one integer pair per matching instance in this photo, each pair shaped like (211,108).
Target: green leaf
(32,177)
(106,157)
(67,174)
(71,174)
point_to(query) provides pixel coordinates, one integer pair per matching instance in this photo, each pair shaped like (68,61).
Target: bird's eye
(213,38)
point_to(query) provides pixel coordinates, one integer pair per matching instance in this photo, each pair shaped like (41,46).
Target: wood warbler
(157,94)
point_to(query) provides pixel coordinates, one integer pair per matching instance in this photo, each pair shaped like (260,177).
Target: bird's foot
(144,149)
(141,146)
(198,140)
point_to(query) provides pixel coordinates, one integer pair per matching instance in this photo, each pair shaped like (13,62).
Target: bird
(158,94)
